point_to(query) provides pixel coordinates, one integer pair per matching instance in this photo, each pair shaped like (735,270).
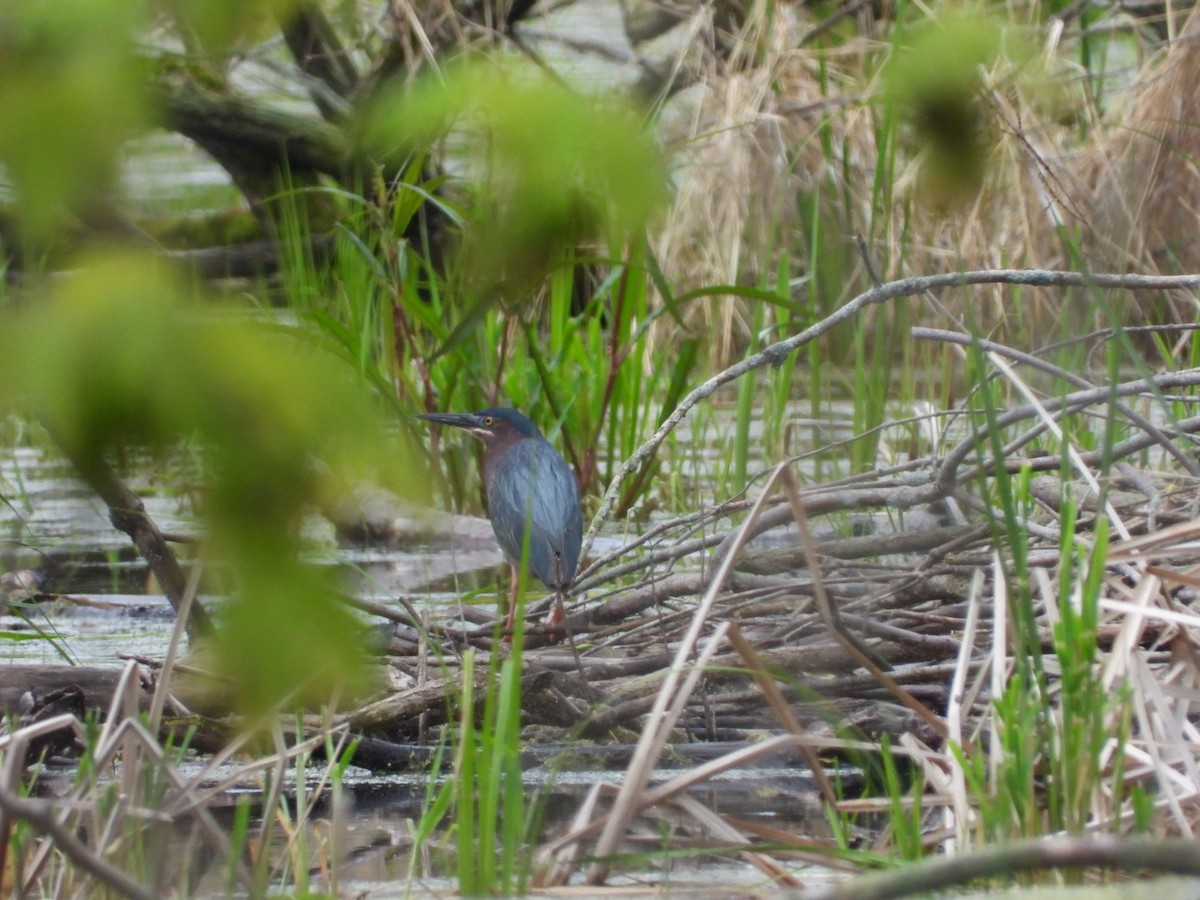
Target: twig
(722,830)
(779,705)
(39,813)
(776,353)
(666,707)
(949,474)
(937,334)
(862,654)
(161,689)
(128,514)
(1175,856)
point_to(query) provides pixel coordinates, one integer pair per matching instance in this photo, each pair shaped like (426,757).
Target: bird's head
(496,426)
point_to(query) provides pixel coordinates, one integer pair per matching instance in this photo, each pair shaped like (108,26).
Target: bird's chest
(509,473)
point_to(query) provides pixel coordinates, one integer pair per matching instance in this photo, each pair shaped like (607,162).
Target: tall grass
(600,351)
(574,358)
(137,820)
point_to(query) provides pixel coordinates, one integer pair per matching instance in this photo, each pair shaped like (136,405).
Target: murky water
(107,607)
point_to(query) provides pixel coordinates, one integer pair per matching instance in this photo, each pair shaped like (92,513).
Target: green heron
(528,484)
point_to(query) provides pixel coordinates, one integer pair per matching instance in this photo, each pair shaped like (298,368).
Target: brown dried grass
(749,153)
(1139,176)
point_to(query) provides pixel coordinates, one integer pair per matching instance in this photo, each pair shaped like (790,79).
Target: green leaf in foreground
(551,167)
(937,80)
(111,358)
(71,91)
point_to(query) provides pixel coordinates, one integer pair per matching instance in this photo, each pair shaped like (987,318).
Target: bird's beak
(469,421)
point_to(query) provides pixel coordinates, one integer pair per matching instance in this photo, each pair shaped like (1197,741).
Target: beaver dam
(986,639)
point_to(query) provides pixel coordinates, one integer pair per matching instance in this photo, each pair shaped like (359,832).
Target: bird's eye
(487,420)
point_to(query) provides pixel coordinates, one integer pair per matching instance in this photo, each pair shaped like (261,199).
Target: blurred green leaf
(219,24)
(553,167)
(70,93)
(112,358)
(936,80)
(285,636)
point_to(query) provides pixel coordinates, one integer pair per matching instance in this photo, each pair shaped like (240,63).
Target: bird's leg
(557,616)
(514,586)
(556,624)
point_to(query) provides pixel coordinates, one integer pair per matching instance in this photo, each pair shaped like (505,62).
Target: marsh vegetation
(866,328)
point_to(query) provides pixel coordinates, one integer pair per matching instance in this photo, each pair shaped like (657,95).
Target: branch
(253,142)
(128,514)
(40,814)
(776,353)
(319,53)
(1176,856)
(1041,365)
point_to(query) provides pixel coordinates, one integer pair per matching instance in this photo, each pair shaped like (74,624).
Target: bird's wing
(558,518)
(533,484)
